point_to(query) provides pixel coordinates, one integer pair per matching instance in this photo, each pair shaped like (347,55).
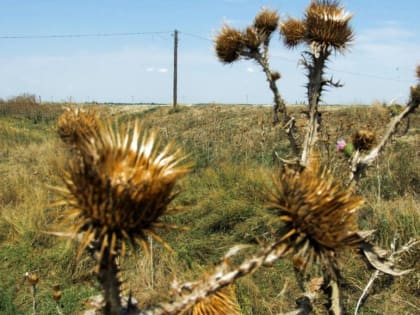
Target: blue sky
(378,67)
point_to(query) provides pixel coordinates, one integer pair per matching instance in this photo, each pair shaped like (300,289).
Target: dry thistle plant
(361,159)
(324,30)
(116,192)
(74,123)
(319,217)
(221,302)
(253,43)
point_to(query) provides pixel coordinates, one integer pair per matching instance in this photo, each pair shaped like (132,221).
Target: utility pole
(175,68)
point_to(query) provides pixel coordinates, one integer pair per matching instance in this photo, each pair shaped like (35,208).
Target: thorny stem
(108,277)
(315,86)
(219,279)
(279,104)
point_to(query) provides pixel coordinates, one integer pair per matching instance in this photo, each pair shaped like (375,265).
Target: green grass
(223,201)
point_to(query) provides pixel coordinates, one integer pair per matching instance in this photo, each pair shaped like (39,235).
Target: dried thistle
(32,278)
(229,44)
(319,216)
(74,123)
(119,188)
(222,302)
(415,90)
(327,25)
(293,31)
(56,294)
(251,39)
(415,93)
(364,139)
(275,75)
(266,22)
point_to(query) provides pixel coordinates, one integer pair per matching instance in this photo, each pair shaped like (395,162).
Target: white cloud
(250,69)
(163,70)
(150,69)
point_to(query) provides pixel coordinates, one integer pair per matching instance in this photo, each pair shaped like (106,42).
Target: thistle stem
(315,86)
(34,303)
(108,278)
(279,104)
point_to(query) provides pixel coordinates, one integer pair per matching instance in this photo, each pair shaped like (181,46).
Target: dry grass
(232,148)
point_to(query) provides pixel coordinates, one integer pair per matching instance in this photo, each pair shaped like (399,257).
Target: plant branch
(220,278)
(315,68)
(405,248)
(360,162)
(279,104)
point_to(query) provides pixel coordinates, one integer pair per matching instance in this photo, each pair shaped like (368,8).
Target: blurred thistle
(275,75)
(222,302)
(229,44)
(251,39)
(293,31)
(363,139)
(33,280)
(74,123)
(117,191)
(56,294)
(266,22)
(415,90)
(319,217)
(341,143)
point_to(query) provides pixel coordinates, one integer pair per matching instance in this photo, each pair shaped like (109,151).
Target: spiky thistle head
(293,31)
(418,72)
(266,22)
(252,39)
(73,124)
(119,188)
(327,25)
(222,302)
(319,216)
(229,44)
(364,139)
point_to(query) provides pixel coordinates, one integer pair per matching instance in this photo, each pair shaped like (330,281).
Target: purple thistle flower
(340,145)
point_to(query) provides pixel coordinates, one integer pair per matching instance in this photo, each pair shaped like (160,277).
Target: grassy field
(232,148)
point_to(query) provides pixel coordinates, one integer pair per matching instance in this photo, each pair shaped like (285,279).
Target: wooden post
(175,68)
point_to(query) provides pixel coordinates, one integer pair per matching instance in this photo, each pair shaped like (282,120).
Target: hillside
(233,150)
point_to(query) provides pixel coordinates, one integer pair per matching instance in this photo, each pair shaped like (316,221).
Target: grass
(223,200)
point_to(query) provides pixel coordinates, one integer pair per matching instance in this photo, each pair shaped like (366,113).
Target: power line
(197,36)
(49,36)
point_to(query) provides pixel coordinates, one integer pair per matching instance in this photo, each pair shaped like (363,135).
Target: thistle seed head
(327,25)
(293,31)
(252,39)
(266,22)
(319,216)
(73,124)
(275,75)
(32,278)
(229,44)
(221,302)
(415,93)
(364,139)
(119,188)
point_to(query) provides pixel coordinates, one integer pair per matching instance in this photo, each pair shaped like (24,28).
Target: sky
(138,67)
